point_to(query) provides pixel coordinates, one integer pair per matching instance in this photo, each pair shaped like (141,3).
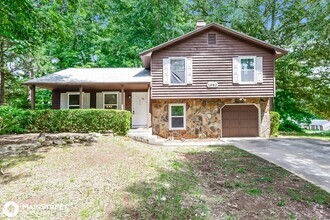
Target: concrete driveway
(307,158)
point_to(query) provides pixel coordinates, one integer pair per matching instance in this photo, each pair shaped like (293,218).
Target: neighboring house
(317,124)
(211,82)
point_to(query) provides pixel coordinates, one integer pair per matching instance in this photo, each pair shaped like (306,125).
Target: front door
(139,109)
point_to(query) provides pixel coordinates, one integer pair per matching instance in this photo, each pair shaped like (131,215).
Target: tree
(24,26)
(41,37)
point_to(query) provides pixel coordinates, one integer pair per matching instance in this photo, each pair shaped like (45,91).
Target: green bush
(288,125)
(274,123)
(78,120)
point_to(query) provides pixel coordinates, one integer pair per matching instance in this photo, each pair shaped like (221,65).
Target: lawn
(118,178)
(322,135)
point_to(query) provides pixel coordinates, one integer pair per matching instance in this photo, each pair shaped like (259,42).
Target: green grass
(254,192)
(15,160)
(281,203)
(323,135)
(309,193)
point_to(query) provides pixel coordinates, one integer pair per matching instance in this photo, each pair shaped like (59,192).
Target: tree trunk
(273,16)
(31,75)
(2,86)
(2,73)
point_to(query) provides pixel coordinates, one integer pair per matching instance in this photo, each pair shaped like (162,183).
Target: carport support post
(149,108)
(122,98)
(81,97)
(33,96)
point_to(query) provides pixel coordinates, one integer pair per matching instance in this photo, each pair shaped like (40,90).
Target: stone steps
(145,135)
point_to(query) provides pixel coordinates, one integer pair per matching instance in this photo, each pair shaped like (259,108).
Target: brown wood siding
(56,99)
(93,99)
(212,62)
(128,100)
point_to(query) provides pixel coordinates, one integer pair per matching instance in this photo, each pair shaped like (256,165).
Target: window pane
(74,107)
(177,122)
(110,98)
(247,64)
(177,110)
(247,76)
(247,70)
(178,71)
(73,99)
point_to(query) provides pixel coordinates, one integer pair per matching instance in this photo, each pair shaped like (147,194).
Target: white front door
(139,109)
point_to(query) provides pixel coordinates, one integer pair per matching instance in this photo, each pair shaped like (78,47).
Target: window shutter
(259,70)
(99,100)
(189,71)
(86,100)
(166,71)
(236,69)
(64,101)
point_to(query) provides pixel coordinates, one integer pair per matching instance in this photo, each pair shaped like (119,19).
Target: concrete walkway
(307,158)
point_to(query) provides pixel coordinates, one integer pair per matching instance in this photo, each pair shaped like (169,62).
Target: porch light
(240,100)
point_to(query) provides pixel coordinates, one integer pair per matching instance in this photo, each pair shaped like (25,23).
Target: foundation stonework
(203,117)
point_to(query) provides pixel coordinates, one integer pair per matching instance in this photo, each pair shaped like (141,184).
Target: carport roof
(83,76)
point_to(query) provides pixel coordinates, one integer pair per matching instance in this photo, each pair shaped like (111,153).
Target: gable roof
(146,55)
(81,76)
(319,122)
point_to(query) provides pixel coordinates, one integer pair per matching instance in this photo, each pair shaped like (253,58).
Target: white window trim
(185,71)
(73,93)
(105,93)
(254,71)
(170,116)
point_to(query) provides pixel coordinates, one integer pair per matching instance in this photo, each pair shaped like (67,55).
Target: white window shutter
(259,70)
(189,71)
(64,101)
(166,71)
(236,70)
(86,100)
(99,100)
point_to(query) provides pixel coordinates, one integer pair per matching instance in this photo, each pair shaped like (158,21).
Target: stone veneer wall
(203,118)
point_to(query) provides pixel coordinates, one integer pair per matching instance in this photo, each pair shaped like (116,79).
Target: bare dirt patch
(238,185)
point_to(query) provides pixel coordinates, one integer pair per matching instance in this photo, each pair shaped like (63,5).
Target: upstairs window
(178,71)
(74,101)
(177,116)
(247,69)
(211,38)
(110,100)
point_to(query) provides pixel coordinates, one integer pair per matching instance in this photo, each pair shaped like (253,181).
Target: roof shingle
(95,75)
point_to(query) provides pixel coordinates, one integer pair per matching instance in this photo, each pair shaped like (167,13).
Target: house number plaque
(212,85)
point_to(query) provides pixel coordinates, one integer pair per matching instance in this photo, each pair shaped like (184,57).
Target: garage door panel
(239,121)
(244,124)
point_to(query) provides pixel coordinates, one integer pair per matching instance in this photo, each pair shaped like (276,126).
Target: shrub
(288,125)
(274,123)
(78,120)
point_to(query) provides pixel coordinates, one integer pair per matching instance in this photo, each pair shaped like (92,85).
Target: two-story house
(211,82)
